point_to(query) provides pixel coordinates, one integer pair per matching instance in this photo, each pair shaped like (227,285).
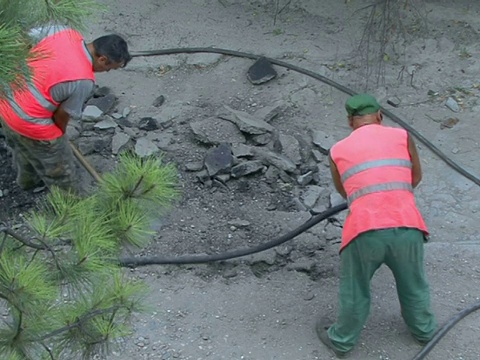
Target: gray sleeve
(72,95)
(39,33)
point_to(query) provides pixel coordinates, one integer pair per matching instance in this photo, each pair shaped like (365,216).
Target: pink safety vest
(375,168)
(60,57)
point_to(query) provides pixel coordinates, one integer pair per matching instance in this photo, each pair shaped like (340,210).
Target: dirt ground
(264,306)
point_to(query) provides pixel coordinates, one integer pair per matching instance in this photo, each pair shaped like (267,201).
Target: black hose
(200,259)
(323,79)
(445,328)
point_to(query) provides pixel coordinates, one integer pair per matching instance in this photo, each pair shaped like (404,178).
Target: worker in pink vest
(34,117)
(376,169)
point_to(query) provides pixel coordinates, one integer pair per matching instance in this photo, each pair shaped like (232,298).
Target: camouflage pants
(37,161)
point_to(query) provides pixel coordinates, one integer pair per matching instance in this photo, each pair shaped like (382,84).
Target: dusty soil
(264,306)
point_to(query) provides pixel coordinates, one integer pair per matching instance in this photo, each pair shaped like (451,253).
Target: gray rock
(219,159)
(90,145)
(305,179)
(311,195)
(238,223)
(247,168)
(108,123)
(162,139)
(1,193)
(241,150)
(194,166)
(261,71)
(319,208)
(213,131)
(317,155)
(268,257)
(304,265)
(268,113)
(262,139)
(72,132)
(336,199)
(104,103)
(91,113)
(246,122)
(277,160)
(452,104)
(290,148)
(323,140)
(148,124)
(159,101)
(119,142)
(145,147)
(126,111)
(116,116)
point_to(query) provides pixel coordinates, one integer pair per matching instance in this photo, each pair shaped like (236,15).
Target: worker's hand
(61,119)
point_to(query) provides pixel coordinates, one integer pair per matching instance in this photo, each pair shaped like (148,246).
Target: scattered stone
(452,104)
(449,123)
(145,147)
(268,257)
(336,199)
(299,205)
(159,101)
(290,148)
(6,192)
(223,178)
(104,103)
(246,123)
(305,179)
(323,140)
(262,139)
(261,71)
(247,168)
(148,124)
(303,265)
(278,160)
(124,122)
(1,193)
(108,123)
(317,155)
(90,145)
(239,223)
(91,113)
(318,209)
(213,131)
(203,177)
(194,166)
(241,150)
(72,132)
(126,111)
(268,113)
(219,160)
(165,124)
(119,142)
(116,116)
(311,195)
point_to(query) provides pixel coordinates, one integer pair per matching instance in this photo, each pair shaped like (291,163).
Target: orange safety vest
(376,171)
(59,58)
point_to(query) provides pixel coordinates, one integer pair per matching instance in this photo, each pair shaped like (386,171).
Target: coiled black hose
(233,254)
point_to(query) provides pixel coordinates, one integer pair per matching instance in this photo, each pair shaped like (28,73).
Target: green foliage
(60,281)
(17,17)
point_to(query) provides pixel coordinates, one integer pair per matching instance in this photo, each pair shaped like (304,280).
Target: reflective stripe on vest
(22,115)
(373,164)
(378,188)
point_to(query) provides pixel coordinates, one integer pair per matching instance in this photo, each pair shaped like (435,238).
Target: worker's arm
(71,95)
(416,167)
(61,118)
(336,178)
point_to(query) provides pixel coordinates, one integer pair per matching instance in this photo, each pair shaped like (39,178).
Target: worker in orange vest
(376,169)
(34,117)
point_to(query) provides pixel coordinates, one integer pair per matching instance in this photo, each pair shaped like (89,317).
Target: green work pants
(401,249)
(37,161)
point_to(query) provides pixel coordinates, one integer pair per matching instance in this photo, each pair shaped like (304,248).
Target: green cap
(362,104)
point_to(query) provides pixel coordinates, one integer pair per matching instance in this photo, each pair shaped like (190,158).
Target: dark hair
(113,47)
